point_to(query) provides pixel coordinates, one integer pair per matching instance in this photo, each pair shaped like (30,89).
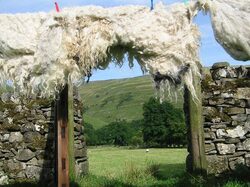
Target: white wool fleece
(41,52)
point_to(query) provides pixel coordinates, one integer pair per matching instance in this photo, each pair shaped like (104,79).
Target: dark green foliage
(163,124)
(119,132)
(90,134)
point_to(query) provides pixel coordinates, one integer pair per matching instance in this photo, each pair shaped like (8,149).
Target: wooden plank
(193,112)
(62,139)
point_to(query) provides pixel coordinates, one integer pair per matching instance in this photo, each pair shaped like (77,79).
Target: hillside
(109,100)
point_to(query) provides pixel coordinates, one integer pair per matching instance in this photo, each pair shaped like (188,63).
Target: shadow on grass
(166,175)
(175,175)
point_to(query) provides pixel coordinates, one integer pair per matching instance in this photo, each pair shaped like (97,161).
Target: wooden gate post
(62,139)
(193,113)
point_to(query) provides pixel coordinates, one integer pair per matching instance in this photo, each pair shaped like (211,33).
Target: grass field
(123,167)
(117,99)
(110,166)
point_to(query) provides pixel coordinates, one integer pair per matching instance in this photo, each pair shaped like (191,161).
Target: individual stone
(1,116)
(40,117)
(241,103)
(221,133)
(218,65)
(246,145)
(14,166)
(225,148)
(78,128)
(20,175)
(80,153)
(216,101)
(236,132)
(236,162)
(217,164)
(216,92)
(242,72)
(4,180)
(237,154)
(33,172)
(48,114)
(240,147)
(38,127)
(82,168)
(209,147)
(247,110)
(25,155)
(232,140)
(235,110)
(27,127)
(227,95)
(243,93)
(230,101)
(33,162)
(220,140)
(15,137)
(30,136)
(218,74)
(5,137)
(18,109)
(247,157)
(247,126)
(239,117)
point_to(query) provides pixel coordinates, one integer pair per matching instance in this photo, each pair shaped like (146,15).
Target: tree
(116,133)
(163,124)
(90,134)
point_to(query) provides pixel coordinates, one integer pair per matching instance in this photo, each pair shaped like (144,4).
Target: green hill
(106,101)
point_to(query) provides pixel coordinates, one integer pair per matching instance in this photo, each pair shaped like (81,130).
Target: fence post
(62,139)
(194,121)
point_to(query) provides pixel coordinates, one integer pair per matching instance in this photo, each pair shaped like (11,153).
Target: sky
(210,51)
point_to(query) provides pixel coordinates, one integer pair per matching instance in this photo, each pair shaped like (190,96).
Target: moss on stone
(205,84)
(37,143)
(9,127)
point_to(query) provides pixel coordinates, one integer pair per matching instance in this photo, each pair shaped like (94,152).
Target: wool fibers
(231,24)
(41,52)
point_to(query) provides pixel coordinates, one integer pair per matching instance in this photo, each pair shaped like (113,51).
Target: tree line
(162,125)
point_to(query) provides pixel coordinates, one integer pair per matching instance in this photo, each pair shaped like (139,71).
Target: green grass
(111,166)
(113,160)
(117,99)
(123,167)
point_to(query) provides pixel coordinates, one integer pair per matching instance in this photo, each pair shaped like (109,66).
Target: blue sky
(210,51)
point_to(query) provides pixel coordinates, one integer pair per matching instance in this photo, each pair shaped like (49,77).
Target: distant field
(122,167)
(112,161)
(117,99)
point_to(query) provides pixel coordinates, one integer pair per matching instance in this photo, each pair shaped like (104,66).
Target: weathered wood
(193,112)
(62,139)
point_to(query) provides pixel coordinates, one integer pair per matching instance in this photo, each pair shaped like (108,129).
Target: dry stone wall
(27,140)
(226,110)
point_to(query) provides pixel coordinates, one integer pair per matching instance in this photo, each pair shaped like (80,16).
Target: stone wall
(226,110)
(27,140)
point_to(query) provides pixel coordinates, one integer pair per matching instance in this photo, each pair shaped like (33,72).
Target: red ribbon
(57,7)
